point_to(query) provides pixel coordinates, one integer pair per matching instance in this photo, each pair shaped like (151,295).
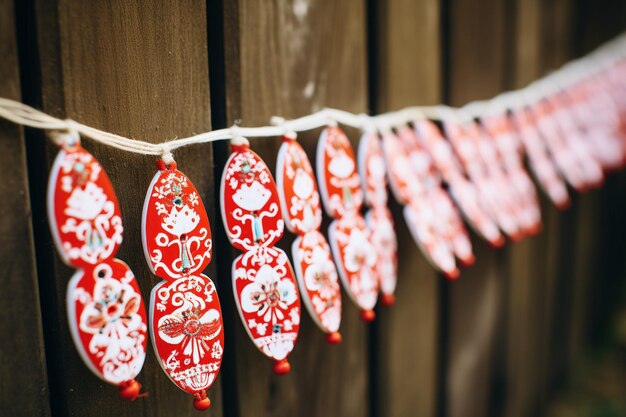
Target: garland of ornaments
(570,127)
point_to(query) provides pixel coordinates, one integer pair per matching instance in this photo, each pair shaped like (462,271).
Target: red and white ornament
(302,211)
(264,285)
(106,312)
(185,314)
(349,236)
(378,217)
(420,217)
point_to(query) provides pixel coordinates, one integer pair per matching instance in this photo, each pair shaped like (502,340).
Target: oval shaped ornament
(299,197)
(318,280)
(355,256)
(187,331)
(314,268)
(340,185)
(107,320)
(378,218)
(250,204)
(84,214)
(267,299)
(175,231)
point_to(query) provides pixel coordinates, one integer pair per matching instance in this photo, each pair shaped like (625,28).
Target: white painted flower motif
(359,252)
(269,295)
(341,165)
(321,275)
(86,203)
(252,197)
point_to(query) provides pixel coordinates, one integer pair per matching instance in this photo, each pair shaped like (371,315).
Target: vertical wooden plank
(139,70)
(292,58)
(408,72)
(477,58)
(525,260)
(23,378)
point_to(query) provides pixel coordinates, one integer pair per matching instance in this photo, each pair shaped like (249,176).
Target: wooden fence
(494,343)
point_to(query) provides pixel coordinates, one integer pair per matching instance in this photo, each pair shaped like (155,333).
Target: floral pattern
(105,310)
(316,273)
(348,235)
(264,285)
(185,313)
(268,300)
(108,320)
(176,232)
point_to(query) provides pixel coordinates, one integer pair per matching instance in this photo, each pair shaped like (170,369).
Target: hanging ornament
(491,182)
(302,211)
(348,234)
(539,159)
(448,220)
(507,148)
(106,313)
(564,157)
(420,217)
(378,217)
(185,314)
(265,289)
(591,170)
(464,191)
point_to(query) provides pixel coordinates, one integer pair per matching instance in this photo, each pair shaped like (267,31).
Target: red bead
(333,338)
(368,316)
(454,274)
(240,148)
(201,402)
(498,243)
(282,367)
(130,390)
(388,300)
(160,164)
(469,261)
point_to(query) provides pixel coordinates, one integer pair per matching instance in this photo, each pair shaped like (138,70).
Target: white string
(570,74)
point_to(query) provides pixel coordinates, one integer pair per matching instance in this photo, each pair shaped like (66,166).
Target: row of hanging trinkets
(480,165)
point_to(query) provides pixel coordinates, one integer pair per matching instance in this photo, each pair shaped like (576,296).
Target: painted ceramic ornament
(421,219)
(449,223)
(266,292)
(348,234)
(372,168)
(564,158)
(508,152)
(185,314)
(492,184)
(302,211)
(106,313)
(540,161)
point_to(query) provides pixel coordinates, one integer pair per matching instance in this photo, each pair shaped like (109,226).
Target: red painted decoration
(301,207)
(349,236)
(185,313)
(372,169)
(106,313)
(265,289)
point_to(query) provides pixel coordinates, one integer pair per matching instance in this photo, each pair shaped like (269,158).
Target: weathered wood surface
(496,342)
(408,70)
(23,376)
(477,69)
(139,70)
(291,59)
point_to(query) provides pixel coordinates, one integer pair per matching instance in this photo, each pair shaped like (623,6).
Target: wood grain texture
(292,58)
(139,70)
(525,260)
(23,379)
(408,71)
(477,69)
